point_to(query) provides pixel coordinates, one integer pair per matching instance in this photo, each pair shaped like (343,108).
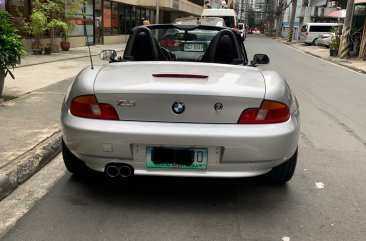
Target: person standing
(146,21)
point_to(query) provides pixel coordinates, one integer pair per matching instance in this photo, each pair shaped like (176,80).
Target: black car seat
(224,48)
(142,46)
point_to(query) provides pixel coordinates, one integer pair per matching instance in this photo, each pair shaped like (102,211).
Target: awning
(338,14)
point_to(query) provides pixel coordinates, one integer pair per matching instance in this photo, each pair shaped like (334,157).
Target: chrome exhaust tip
(112,171)
(125,171)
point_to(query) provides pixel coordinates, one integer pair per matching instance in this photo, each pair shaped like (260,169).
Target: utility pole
(279,15)
(157,11)
(346,31)
(302,15)
(292,21)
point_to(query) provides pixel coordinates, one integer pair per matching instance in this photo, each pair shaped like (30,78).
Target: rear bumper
(236,150)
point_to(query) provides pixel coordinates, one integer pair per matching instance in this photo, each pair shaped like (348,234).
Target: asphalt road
(325,200)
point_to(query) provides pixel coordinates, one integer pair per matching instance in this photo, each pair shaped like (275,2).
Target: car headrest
(224,48)
(142,46)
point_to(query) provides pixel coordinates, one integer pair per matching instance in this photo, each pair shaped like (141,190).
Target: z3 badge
(126,103)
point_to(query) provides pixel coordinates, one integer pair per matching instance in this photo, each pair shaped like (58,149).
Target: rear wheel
(313,43)
(282,173)
(72,163)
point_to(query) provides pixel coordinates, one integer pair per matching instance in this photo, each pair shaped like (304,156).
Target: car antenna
(86,35)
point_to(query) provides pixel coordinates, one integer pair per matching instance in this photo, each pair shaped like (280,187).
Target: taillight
(87,106)
(269,112)
(168,42)
(235,27)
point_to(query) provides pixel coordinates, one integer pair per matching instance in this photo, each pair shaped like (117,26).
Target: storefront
(106,21)
(114,20)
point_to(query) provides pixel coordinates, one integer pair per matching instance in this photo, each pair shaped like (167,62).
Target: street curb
(62,59)
(26,165)
(53,61)
(337,62)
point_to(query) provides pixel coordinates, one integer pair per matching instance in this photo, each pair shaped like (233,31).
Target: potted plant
(335,41)
(11,47)
(53,25)
(334,46)
(72,10)
(48,49)
(65,44)
(54,11)
(37,27)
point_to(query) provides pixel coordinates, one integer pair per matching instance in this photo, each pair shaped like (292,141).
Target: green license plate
(177,158)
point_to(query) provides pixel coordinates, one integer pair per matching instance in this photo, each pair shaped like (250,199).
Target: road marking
(319,185)
(286,238)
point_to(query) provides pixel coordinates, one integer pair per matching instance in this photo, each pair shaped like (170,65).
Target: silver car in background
(152,113)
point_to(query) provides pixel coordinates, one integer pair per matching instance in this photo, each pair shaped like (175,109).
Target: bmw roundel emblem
(178,107)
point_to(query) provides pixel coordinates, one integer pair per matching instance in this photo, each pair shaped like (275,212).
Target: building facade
(110,21)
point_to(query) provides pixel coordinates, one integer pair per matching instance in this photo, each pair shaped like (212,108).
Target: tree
(60,15)
(251,18)
(269,10)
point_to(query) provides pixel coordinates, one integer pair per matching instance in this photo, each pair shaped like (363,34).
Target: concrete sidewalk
(353,63)
(38,71)
(30,127)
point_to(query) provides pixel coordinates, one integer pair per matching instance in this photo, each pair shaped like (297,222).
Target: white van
(228,15)
(310,32)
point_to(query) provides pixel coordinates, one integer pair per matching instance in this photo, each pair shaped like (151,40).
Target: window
(122,19)
(119,18)
(320,28)
(138,17)
(107,18)
(128,19)
(115,19)
(133,17)
(20,10)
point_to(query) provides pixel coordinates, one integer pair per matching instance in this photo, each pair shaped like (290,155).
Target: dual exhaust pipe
(115,170)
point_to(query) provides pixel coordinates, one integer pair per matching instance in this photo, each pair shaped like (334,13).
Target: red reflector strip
(185,76)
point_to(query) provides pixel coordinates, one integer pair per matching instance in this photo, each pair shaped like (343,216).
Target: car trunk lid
(179,92)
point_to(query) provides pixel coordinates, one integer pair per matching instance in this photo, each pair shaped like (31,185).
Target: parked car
(324,39)
(211,21)
(242,31)
(256,31)
(153,112)
(229,15)
(310,32)
(185,46)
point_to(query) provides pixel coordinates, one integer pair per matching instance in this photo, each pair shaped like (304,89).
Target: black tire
(313,43)
(282,173)
(72,163)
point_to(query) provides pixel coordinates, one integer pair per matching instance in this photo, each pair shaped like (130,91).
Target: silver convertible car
(200,109)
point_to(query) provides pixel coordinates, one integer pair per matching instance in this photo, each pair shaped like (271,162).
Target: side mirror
(260,59)
(108,54)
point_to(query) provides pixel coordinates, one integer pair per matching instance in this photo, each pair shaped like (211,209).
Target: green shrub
(11,46)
